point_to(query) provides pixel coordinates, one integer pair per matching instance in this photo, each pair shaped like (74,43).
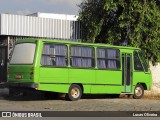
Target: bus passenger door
(127,73)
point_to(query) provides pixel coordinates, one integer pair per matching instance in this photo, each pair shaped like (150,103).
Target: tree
(132,22)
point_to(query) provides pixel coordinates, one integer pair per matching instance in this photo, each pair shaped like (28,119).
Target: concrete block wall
(155,70)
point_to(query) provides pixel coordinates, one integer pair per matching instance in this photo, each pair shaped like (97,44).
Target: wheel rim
(75,92)
(138,91)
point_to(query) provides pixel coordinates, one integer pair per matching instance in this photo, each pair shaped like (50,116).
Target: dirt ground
(88,103)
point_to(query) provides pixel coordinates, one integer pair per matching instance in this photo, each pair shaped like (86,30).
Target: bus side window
(108,58)
(137,62)
(54,55)
(82,56)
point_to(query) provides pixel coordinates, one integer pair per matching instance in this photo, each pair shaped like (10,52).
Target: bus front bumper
(22,85)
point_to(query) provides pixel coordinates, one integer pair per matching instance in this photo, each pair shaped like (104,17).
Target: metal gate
(3,64)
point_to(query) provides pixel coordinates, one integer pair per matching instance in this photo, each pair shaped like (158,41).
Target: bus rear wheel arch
(138,91)
(74,92)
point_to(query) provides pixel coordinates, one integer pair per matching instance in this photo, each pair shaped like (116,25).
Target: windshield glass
(23,53)
(144,62)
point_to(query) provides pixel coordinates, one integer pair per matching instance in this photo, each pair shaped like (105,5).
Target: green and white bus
(77,68)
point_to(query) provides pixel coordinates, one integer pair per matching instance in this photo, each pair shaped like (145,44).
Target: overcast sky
(32,6)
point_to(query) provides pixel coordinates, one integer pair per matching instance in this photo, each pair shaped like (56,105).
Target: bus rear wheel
(138,91)
(74,93)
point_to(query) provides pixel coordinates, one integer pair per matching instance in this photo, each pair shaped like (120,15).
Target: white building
(55,16)
(37,25)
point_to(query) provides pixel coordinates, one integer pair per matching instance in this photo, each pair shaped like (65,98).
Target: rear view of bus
(21,68)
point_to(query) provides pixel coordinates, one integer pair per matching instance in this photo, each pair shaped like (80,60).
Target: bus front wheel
(138,91)
(74,93)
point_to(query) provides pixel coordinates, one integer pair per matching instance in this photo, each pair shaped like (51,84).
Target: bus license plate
(18,76)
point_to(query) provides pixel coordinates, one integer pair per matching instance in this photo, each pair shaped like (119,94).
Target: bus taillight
(18,77)
(31,73)
(32,68)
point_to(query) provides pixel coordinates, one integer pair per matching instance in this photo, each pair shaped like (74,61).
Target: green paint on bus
(77,68)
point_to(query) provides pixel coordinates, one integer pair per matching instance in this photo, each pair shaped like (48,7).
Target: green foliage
(135,22)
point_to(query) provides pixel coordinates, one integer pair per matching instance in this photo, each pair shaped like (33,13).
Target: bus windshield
(23,53)
(144,62)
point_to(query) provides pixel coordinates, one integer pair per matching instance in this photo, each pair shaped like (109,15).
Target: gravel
(89,103)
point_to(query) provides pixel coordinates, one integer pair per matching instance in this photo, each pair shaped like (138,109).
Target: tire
(74,93)
(138,91)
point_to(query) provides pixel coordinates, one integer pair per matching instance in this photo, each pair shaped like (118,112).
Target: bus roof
(75,43)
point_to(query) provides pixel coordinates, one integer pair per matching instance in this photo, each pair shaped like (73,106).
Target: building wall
(18,25)
(0,24)
(55,16)
(40,25)
(155,70)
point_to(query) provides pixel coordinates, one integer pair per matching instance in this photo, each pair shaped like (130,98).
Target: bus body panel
(109,77)
(107,81)
(23,70)
(53,75)
(140,77)
(61,88)
(106,89)
(84,76)
(92,80)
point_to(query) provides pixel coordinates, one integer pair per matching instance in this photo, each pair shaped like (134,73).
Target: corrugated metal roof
(55,16)
(18,25)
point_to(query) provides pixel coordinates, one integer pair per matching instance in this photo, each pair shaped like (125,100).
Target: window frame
(106,59)
(143,61)
(54,56)
(35,52)
(92,58)
(142,70)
